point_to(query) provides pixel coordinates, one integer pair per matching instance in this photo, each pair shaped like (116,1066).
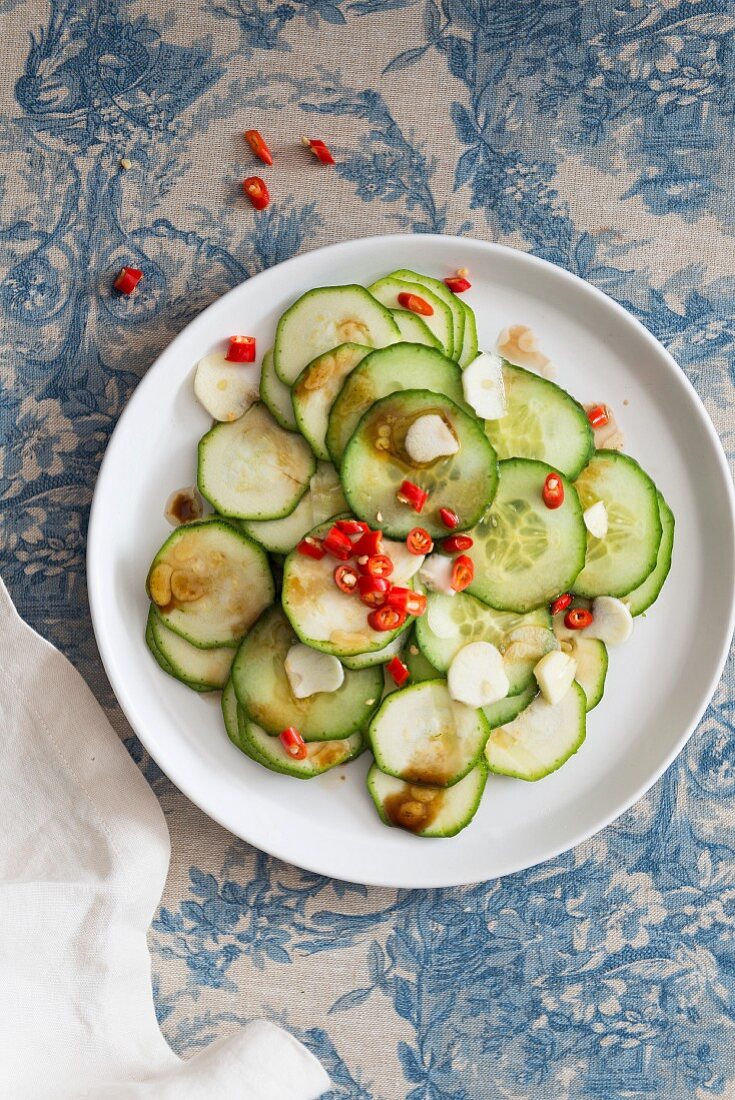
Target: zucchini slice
(505,710)
(323,500)
(541,739)
(413,329)
(204,669)
(330,620)
(375,463)
(417,663)
(275,395)
(421,735)
(376,656)
(542,421)
(252,468)
(621,561)
(325,317)
(315,391)
(160,659)
(427,811)
(470,345)
(440,321)
(525,554)
(401,367)
(233,716)
(264,693)
(441,291)
(641,598)
(452,622)
(321,756)
(209,582)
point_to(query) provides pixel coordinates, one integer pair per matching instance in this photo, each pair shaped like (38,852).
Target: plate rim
(183,784)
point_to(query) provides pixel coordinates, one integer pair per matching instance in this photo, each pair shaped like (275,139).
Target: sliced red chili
(241,349)
(406,600)
(449,518)
(352,526)
(553,491)
(397,671)
(257,143)
(419,541)
(415,304)
(345,577)
(311,548)
(319,149)
(561,603)
(457,284)
(377,565)
(337,544)
(373,590)
(598,416)
(463,573)
(386,618)
(412,494)
(578,618)
(457,543)
(128,279)
(368,544)
(256,190)
(293,743)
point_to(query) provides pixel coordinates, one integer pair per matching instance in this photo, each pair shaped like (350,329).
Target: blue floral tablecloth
(598,135)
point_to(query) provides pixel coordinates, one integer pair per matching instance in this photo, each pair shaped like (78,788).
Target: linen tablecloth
(597,135)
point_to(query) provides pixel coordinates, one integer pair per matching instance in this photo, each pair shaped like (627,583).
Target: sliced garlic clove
(483,385)
(309,671)
(555,675)
(612,622)
(436,574)
(595,519)
(476,675)
(226,390)
(429,438)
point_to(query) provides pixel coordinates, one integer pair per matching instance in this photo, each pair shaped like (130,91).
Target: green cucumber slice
(375,463)
(264,693)
(323,318)
(321,756)
(505,710)
(441,291)
(417,663)
(413,329)
(440,322)
(589,653)
(376,656)
(207,669)
(641,598)
(420,734)
(542,421)
(330,620)
(401,367)
(470,345)
(230,579)
(323,500)
(252,468)
(315,391)
(541,739)
(234,716)
(525,554)
(275,395)
(460,619)
(620,562)
(427,811)
(160,659)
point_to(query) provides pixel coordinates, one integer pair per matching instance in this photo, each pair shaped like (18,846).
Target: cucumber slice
(323,318)
(253,468)
(234,717)
(323,500)
(160,659)
(321,756)
(330,620)
(427,811)
(226,574)
(470,345)
(375,463)
(525,554)
(376,656)
(413,329)
(591,658)
(315,391)
(505,710)
(440,322)
(275,395)
(452,622)
(441,291)
(422,735)
(417,663)
(542,421)
(620,562)
(207,669)
(541,739)
(401,367)
(264,693)
(641,598)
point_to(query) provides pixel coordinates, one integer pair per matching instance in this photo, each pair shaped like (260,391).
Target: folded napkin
(84,852)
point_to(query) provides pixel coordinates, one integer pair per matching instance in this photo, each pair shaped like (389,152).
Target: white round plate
(658,685)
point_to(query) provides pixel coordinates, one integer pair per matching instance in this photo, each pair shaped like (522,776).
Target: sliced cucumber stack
(161,660)
(321,756)
(413,329)
(276,395)
(376,462)
(441,291)
(620,562)
(440,320)
(323,500)
(641,598)
(427,811)
(316,388)
(203,669)
(525,554)
(541,739)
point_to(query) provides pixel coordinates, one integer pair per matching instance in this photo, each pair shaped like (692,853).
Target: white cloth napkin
(84,852)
